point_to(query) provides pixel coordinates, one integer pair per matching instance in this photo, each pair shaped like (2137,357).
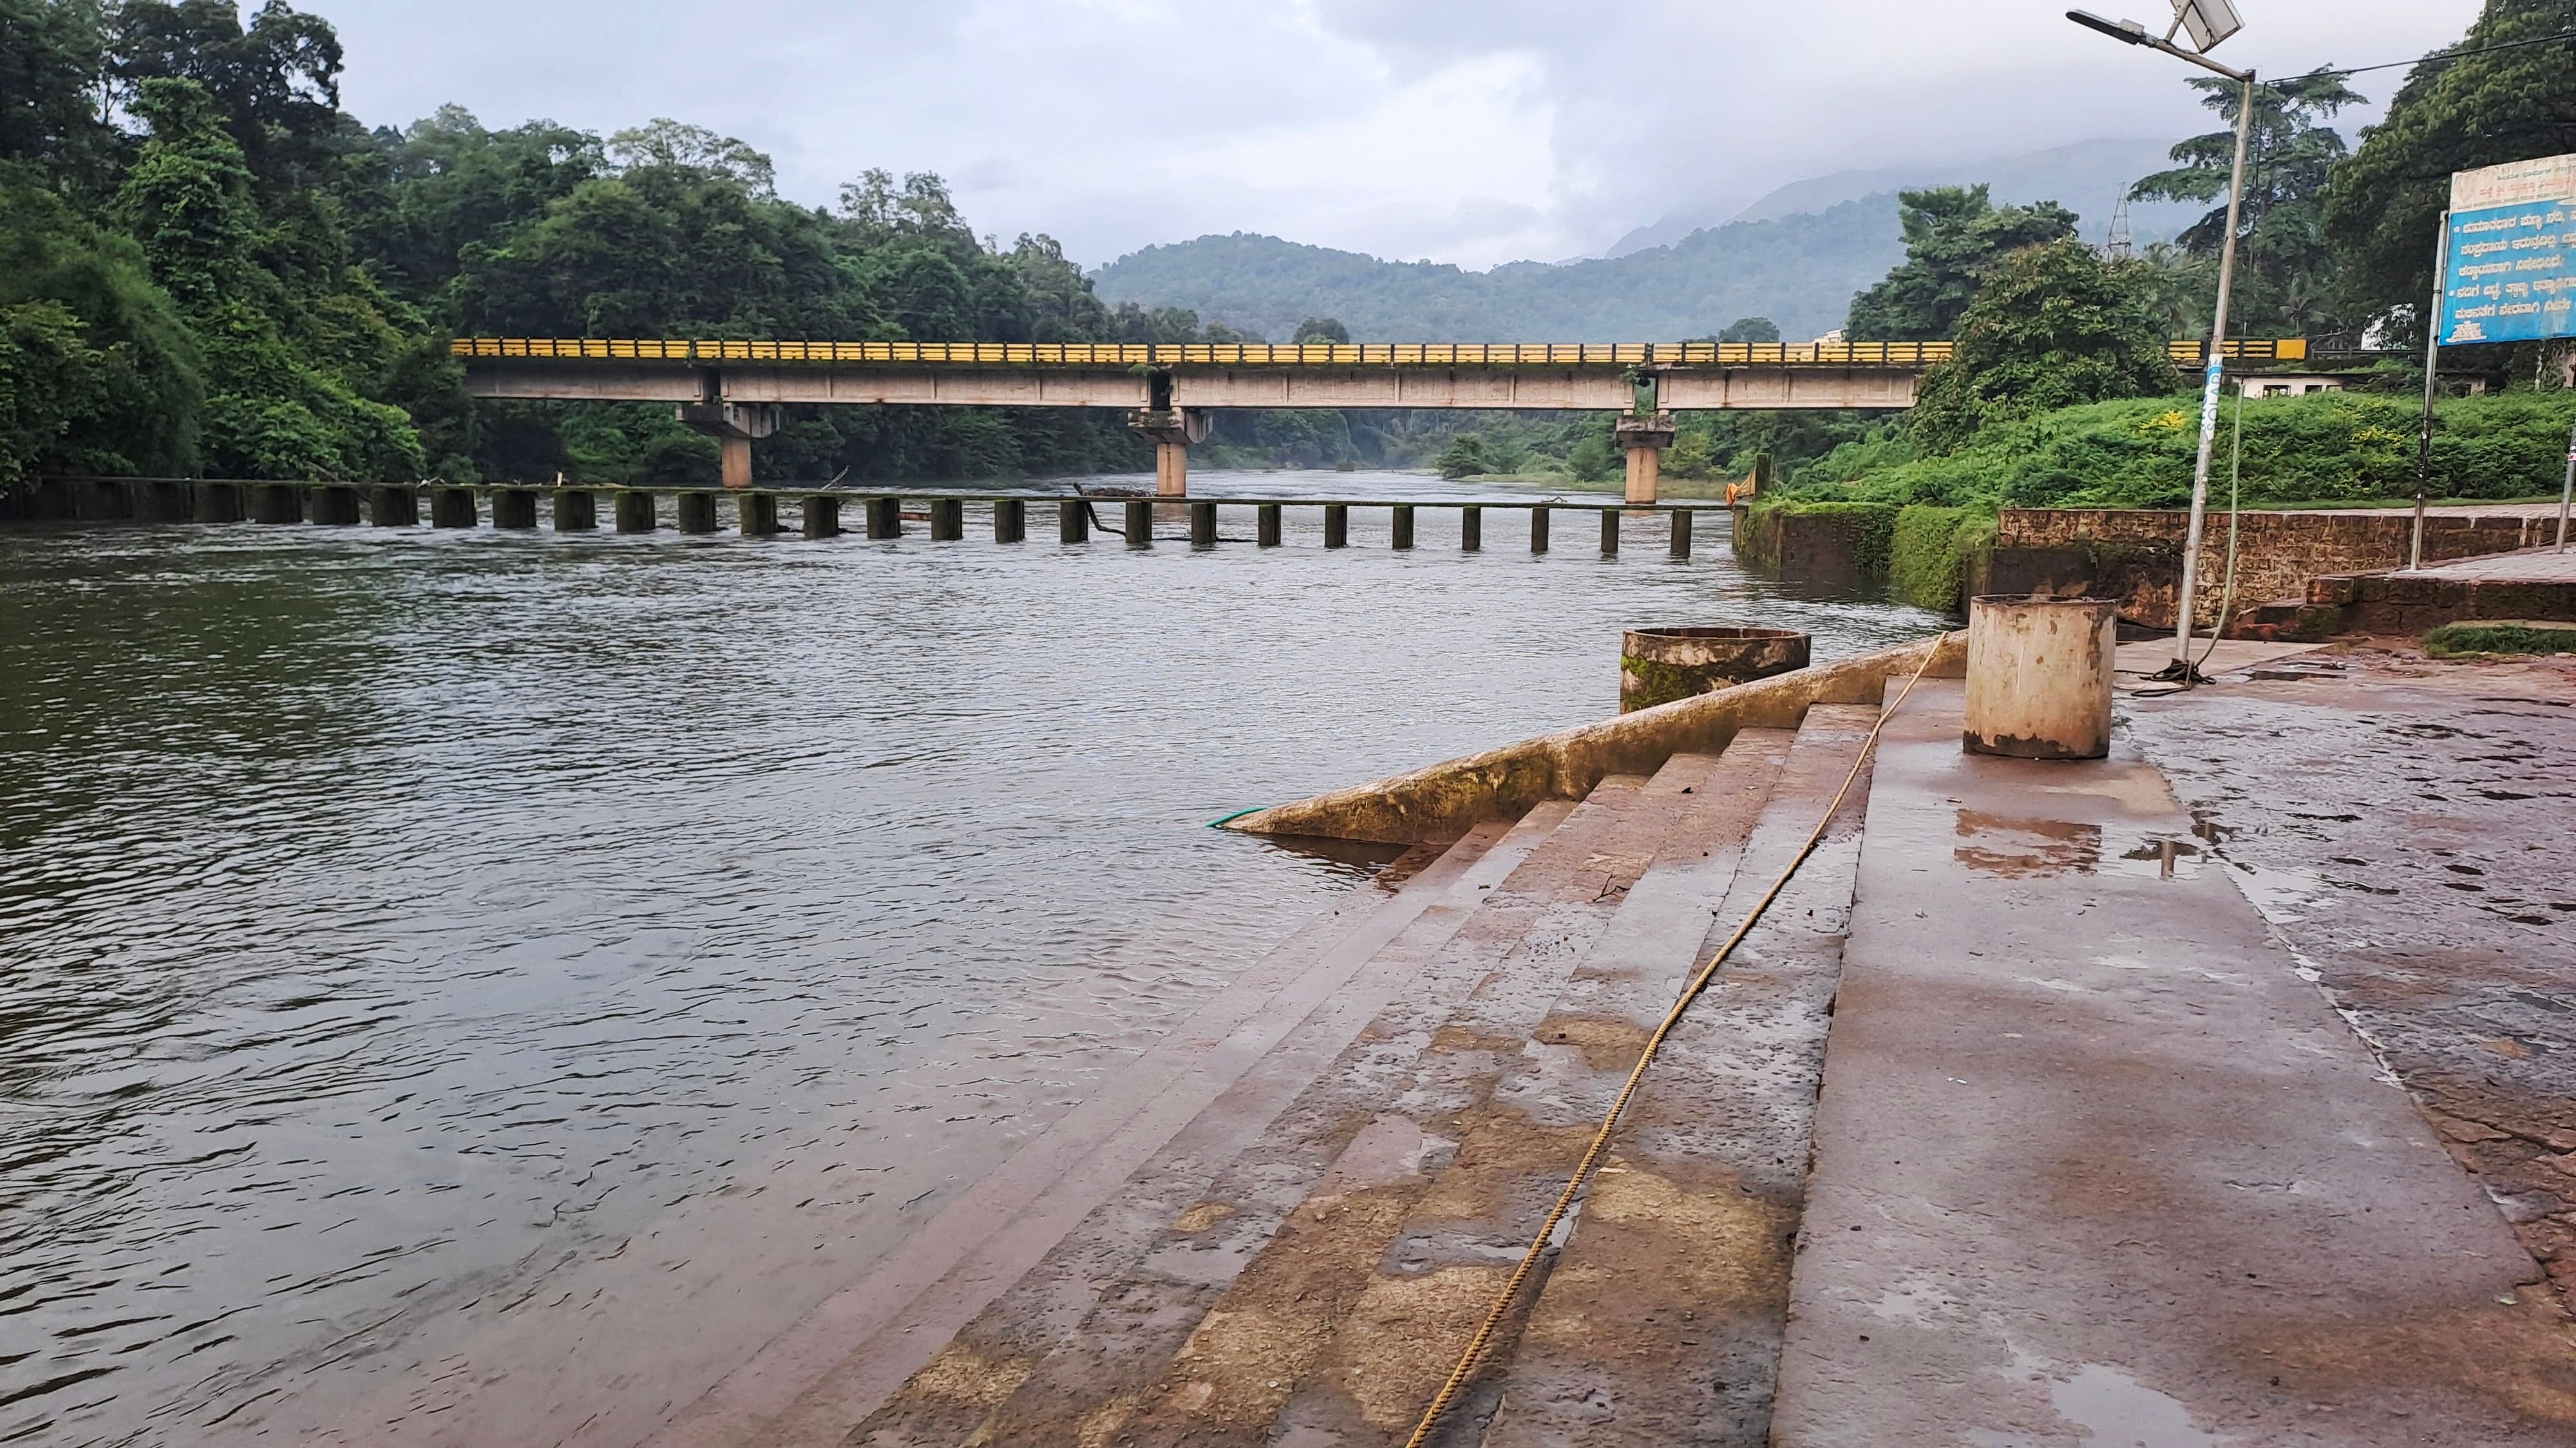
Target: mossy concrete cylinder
(1659,665)
(635,513)
(575,511)
(2039,677)
(696,511)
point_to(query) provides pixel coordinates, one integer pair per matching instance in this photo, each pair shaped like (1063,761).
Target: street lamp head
(2128,32)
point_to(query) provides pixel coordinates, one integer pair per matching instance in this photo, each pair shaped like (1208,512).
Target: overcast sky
(1472,131)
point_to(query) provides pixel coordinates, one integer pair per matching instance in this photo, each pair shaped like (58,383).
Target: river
(392,918)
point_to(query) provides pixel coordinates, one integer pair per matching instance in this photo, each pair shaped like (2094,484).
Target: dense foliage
(1953,236)
(2051,326)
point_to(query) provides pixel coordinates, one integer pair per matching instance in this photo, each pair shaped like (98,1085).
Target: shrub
(1929,551)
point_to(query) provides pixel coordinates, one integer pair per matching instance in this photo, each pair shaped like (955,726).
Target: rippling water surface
(389,916)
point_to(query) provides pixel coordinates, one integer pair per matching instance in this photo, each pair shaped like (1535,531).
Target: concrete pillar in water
(1140,523)
(1010,520)
(1609,531)
(514,508)
(2039,676)
(1266,525)
(1337,525)
(1538,529)
(216,502)
(1644,437)
(885,517)
(1203,525)
(947,519)
(1681,532)
(1471,529)
(1659,665)
(635,512)
(453,508)
(756,514)
(336,506)
(1402,526)
(822,517)
(576,511)
(1073,521)
(697,512)
(733,425)
(277,503)
(1171,430)
(395,508)
(160,502)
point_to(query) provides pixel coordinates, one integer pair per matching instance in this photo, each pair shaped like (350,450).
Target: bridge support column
(157,502)
(453,508)
(822,517)
(733,425)
(1266,530)
(1471,529)
(576,511)
(1681,532)
(514,508)
(1337,525)
(1171,430)
(1010,520)
(885,517)
(1609,531)
(635,513)
(947,519)
(697,512)
(1203,525)
(217,503)
(1644,436)
(338,506)
(1403,526)
(277,503)
(756,514)
(1140,524)
(1538,529)
(1073,521)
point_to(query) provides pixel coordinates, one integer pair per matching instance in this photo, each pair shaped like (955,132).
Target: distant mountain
(2088,177)
(1798,270)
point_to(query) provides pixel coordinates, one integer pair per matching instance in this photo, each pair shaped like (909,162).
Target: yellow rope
(1472,1359)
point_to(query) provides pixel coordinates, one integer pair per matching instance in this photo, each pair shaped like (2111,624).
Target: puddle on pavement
(2019,848)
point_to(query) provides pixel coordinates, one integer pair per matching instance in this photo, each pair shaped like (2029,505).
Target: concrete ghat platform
(2094,1165)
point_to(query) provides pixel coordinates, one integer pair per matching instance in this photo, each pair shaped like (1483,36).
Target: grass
(2490,640)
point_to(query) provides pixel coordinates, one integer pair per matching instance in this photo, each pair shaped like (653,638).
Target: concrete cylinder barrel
(2039,677)
(1659,665)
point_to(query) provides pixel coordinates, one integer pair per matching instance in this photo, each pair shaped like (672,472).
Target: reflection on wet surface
(2018,847)
(390,916)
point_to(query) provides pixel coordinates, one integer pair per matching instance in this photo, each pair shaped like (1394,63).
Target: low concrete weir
(1442,801)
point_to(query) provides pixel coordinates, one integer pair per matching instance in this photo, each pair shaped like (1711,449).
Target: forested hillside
(1800,271)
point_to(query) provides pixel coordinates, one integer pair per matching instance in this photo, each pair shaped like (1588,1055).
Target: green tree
(1750,329)
(2287,275)
(2450,115)
(1952,235)
(53,61)
(275,83)
(2053,326)
(1464,457)
(1321,329)
(49,375)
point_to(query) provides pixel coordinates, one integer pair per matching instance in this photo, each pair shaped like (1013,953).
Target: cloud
(1474,131)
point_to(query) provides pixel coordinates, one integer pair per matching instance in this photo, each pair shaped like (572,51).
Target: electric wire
(2436,58)
(1473,1358)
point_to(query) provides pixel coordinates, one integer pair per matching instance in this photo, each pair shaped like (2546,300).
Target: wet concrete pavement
(2406,827)
(2095,1164)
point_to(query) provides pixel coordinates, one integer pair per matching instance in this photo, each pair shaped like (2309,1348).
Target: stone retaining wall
(2136,555)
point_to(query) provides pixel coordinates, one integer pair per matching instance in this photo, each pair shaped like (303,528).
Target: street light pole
(2213,377)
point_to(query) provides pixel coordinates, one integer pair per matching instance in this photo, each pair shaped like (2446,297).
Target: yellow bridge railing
(1263,354)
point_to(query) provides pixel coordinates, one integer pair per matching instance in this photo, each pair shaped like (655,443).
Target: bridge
(733,389)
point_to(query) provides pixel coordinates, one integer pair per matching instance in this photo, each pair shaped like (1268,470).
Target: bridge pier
(1644,436)
(1266,530)
(1471,529)
(159,502)
(1010,520)
(697,512)
(822,517)
(1681,532)
(947,520)
(1073,521)
(1140,524)
(395,508)
(335,505)
(885,517)
(1337,525)
(514,508)
(635,513)
(217,503)
(756,514)
(1609,532)
(277,503)
(1203,525)
(1403,526)
(1538,529)
(453,508)
(576,511)
(733,425)
(1171,430)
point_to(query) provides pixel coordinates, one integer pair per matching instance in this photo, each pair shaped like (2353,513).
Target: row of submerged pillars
(757,513)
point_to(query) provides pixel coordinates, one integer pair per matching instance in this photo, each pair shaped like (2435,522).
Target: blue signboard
(2509,273)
